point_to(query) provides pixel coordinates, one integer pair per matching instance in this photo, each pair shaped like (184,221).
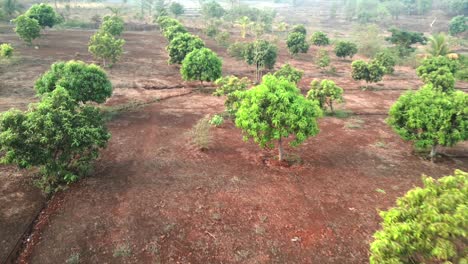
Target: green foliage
(345,49)
(83,82)
(238,50)
(325,93)
(417,7)
(6,50)
(404,39)
(202,65)
(370,72)
(462,73)
(222,38)
(395,8)
(27,28)
(319,38)
(289,73)
(457,7)
(181,45)
(428,224)
(9,8)
(323,59)
(297,43)
(44,14)
(431,117)
(57,135)
(458,25)
(216,120)
(229,86)
(106,47)
(211,30)
(176,9)
(367,10)
(386,59)
(438,45)
(212,9)
(172,31)
(262,54)
(299,29)
(165,22)
(244,22)
(274,110)
(438,71)
(113,25)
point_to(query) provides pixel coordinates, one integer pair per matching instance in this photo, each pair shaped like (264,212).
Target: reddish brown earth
(155,193)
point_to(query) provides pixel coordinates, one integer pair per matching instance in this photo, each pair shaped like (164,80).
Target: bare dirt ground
(154,198)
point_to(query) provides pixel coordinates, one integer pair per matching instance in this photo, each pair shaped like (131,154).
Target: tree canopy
(44,14)
(83,82)
(56,135)
(201,65)
(427,225)
(27,28)
(319,38)
(430,117)
(262,54)
(181,45)
(325,93)
(297,43)
(106,47)
(289,73)
(370,72)
(345,49)
(275,110)
(438,71)
(113,25)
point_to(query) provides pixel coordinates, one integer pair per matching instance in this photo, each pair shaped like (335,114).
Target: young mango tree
(404,40)
(370,72)
(83,82)
(319,38)
(299,29)
(57,135)
(172,31)
(289,73)
(44,14)
(427,225)
(6,51)
(325,92)
(262,54)
(297,43)
(430,118)
(181,45)
(113,25)
(202,65)
(439,71)
(27,28)
(275,110)
(345,49)
(106,47)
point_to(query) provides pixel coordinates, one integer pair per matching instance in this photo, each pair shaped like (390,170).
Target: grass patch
(354,123)
(123,250)
(73,259)
(340,113)
(380,191)
(200,133)
(111,112)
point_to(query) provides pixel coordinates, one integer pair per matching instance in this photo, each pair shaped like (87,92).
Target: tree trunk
(331,107)
(433,153)
(280,149)
(104,62)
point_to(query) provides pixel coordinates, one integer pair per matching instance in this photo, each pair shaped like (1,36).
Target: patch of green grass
(380,191)
(123,250)
(339,113)
(354,123)
(73,259)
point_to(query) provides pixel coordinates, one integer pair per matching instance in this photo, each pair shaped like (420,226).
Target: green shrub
(297,43)
(229,86)
(57,135)
(458,25)
(387,59)
(202,65)
(439,71)
(238,50)
(6,50)
(27,28)
(319,39)
(106,47)
(222,38)
(325,93)
(216,120)
(173,31)
(113,25)
(345,49)
(181,45)
(427,225)
(289,73)
(370,72)
(83,82)
(44,14)
(323,59)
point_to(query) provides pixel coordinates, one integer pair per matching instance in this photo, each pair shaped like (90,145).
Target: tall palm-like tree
(438,45)
(243,23)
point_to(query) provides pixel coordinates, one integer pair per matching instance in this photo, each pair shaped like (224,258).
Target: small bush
(320,39)
(323,59)
(6,50)
(216,120)
(345,49)
(200,133)
(211,31)
(222,38)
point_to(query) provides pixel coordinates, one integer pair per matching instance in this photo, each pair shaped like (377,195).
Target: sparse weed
(216,120)
(123,250)
(200,133)
(73,259)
